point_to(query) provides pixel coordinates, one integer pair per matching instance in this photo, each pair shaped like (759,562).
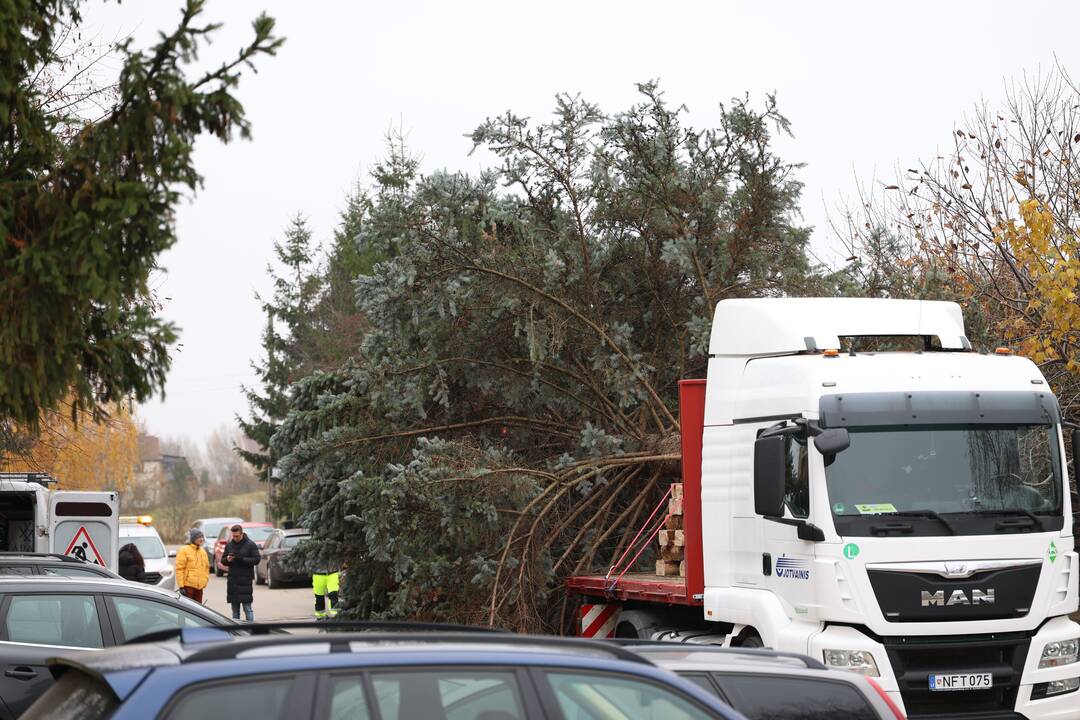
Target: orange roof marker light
(831,352)
(1003,351)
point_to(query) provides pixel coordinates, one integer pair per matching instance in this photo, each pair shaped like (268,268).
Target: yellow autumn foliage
(1048,256)
(82,454)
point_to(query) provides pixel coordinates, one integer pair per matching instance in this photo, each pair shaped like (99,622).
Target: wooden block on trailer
(676,538)
(675,506)
(682,569)
(671,553)
(676,491)
(673,522)
(667,568)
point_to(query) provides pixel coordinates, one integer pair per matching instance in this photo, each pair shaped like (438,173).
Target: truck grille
(926,597)
(152,578)
(914,659)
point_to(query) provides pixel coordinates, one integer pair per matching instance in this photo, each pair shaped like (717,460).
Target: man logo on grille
(958,597)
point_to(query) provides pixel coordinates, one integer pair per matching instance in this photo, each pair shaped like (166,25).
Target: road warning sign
(83,547)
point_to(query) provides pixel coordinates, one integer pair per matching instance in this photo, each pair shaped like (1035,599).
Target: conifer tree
(511,414)
(86,207)
(285,339)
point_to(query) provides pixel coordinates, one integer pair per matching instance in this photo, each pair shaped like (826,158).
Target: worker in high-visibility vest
(325,585)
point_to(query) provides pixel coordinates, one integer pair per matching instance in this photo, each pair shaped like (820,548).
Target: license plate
(962,681)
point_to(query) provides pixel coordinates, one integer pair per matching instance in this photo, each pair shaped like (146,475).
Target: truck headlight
(858,661)
(1061,652)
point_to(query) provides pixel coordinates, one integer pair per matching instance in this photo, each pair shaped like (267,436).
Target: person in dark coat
(240,556)
(132,565)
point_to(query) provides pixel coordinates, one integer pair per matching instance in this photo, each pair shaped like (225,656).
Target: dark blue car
(209,674)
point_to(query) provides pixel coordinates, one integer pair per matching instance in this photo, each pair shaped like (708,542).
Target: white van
(36,519)
(159,569)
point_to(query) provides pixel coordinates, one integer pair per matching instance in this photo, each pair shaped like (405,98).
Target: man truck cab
(35,518)
(904,515)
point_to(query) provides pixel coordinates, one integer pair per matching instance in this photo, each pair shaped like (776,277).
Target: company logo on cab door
(792,568)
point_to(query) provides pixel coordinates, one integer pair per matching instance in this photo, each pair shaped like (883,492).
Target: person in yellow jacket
(192,566)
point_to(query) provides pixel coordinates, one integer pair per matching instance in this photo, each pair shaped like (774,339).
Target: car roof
(139,530)
(206,653)
(294,531)
(9,556)
(687,657)
(15,583)
(231,518)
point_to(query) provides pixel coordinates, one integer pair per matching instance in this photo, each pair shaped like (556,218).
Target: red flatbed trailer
(634,586)
(644,587)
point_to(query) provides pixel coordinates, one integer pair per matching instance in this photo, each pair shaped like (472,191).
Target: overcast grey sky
(867,86)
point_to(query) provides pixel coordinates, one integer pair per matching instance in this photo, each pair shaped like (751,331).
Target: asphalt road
(292,603)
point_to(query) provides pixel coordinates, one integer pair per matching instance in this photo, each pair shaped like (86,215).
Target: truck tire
(748,638)
(640,624)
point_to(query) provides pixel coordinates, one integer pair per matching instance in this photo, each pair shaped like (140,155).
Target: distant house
(157,471)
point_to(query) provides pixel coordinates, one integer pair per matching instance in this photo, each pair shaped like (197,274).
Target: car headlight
(167,572)
(857,661)
(1062,652)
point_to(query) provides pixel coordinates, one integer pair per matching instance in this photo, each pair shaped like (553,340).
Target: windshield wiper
(1036,521)
(926,514)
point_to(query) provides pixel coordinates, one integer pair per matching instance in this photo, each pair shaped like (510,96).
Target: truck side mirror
(832,441)
(769,475)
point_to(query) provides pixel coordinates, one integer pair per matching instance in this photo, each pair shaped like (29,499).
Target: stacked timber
(671,537)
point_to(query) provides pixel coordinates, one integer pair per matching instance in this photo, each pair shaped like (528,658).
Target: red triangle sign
(83,550)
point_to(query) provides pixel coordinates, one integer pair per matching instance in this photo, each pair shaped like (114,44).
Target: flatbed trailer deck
(635,586)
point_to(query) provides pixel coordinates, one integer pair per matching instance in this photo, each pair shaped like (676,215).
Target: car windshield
(212,530)
(293,540)
(947,469)
(258,534)
(150,546)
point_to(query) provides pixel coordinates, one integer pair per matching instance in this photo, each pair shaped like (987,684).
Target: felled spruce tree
(511,414)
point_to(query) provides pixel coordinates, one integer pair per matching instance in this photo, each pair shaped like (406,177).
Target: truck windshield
(973,475)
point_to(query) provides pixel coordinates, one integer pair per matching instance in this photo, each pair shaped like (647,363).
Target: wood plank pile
(671,562)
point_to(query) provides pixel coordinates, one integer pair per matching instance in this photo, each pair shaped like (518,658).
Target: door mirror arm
(806,530)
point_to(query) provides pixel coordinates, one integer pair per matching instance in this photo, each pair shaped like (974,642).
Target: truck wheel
(259,579)
(748,638)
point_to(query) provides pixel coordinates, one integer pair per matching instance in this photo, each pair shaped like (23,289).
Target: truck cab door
(85,525)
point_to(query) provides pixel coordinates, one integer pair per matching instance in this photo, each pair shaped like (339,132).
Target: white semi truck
(34,518)
(905,515)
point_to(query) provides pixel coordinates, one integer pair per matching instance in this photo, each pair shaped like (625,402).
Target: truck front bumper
(904,665)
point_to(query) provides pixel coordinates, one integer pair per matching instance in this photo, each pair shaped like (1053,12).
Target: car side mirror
(172,553)
(769,475)
(832,441)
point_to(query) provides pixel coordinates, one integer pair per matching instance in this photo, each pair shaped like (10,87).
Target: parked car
(211,528)
(41,616)
(257,531)
(206,674)
(159,571)
(29,564)
(270,569)
(769,685)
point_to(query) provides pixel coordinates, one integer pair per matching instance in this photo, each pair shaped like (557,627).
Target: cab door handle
(21,673)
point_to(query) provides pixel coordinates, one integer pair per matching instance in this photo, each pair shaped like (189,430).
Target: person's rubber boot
(333,603)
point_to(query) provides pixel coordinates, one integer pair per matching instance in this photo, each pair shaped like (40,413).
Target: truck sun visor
(938,408)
